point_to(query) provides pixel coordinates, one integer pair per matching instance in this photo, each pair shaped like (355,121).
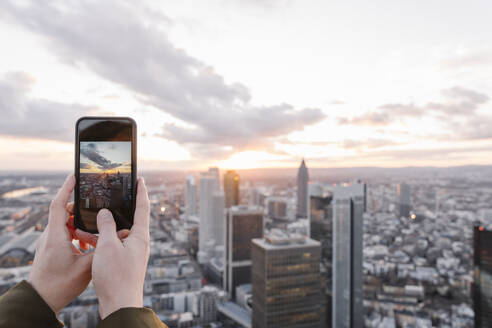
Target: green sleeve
(132,318)
(22,307)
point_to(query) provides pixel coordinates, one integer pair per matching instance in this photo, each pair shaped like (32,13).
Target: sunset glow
(328,84)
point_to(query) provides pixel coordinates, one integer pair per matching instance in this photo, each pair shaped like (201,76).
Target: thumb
(106,226)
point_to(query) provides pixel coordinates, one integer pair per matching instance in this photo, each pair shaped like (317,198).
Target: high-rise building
(404,204)
(482,280)
(116,198)
(242,224)
(288,289)
(302,190)
(207,304)
(190,196)
(253,197)
(218,218)
(277,207)
(321,229)
(347,300)
(231,188)
(360,187)
(208,188)
(214,172)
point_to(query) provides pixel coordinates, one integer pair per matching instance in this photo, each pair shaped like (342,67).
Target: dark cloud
(457,113)
(25,116)
(126,45)
(86,166)
(91,152)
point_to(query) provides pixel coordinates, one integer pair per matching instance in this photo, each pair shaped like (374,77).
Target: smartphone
(105,170)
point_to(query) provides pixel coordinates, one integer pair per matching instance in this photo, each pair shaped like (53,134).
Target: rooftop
(278,240)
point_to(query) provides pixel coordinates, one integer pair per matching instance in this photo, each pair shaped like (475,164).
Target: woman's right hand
(119,266)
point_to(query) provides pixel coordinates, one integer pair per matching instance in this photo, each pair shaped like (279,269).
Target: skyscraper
(320,216)
(231,188)
(348,208)
(277,207)
(287,284)
(482,280)
(218,218)
(214,172)
(207,188)
(253,197)
(190,196)
(302,190)
(404,204)
(243,223)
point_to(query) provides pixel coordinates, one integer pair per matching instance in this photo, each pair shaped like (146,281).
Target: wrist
(45,295)
(108,306)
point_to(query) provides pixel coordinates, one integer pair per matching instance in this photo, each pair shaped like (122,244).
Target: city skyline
(369,266)
(405,91)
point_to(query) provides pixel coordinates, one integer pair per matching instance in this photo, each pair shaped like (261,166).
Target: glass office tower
(482,282)
(288,289)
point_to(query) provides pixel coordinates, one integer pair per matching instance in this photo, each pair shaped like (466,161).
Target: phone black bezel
(77,219)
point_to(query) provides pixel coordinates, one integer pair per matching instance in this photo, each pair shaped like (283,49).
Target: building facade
(277,207)
(302,190)
(242,224)
(208,228)
(321,229)
(190,196)
(347,286)
(231,188)
(404,202)
(288,289)
(482,280)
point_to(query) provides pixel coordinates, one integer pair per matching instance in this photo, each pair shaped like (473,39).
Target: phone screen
(105,171)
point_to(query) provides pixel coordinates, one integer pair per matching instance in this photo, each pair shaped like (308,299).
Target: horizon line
(268,168)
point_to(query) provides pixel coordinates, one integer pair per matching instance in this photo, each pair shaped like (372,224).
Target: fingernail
(104,214)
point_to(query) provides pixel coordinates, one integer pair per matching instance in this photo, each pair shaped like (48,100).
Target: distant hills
(336,173)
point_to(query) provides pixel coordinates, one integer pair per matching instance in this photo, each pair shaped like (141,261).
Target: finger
(122,234)
(58,215)
(142,210)
(69,208)
(106,226)
(86,237)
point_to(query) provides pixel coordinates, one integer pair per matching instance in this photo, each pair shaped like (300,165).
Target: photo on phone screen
(105,171)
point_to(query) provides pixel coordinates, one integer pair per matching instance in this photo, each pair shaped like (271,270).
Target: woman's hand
(60,271)
(119,267)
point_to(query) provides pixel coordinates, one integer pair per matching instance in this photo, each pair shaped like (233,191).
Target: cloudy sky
(253,83)
(104,156)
